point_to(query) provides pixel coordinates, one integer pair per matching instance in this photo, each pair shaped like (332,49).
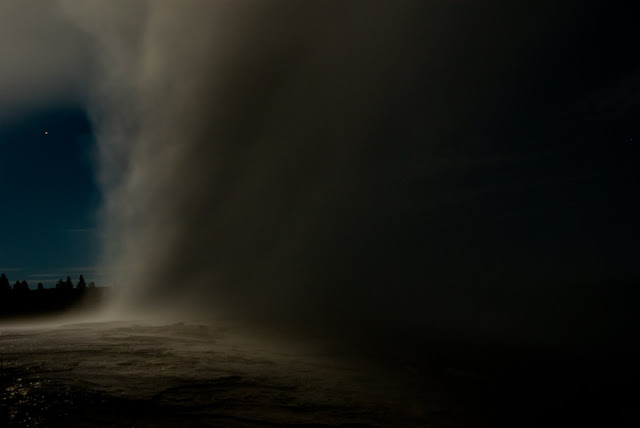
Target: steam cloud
(255,155)
(274,160)
(281,160)
(44,59)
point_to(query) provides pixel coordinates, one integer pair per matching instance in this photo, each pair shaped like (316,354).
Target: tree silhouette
(17,299)
(4,283)
(81,284)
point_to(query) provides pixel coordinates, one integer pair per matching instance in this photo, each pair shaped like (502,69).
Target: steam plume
(253,154)
(283,160)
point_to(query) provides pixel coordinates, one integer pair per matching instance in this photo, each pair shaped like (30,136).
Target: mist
(315,164)
(281,163)
(44,59)
(245,152)
(347,213)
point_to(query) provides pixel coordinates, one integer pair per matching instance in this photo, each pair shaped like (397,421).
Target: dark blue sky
(49,196)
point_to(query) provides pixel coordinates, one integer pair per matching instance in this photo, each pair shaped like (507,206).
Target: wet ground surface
(181,375)
(116,374)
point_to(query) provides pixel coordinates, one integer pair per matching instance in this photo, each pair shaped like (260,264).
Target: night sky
(472,161)
(49,194)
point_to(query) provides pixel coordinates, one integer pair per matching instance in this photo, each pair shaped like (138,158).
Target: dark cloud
(44,59)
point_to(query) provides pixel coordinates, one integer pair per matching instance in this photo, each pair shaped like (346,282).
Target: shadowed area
(146,374)
(152,375)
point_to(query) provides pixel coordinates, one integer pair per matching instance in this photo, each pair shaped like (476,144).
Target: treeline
(20,300)
(5,284)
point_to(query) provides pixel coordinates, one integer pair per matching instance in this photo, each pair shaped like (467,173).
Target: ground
(132,374)
(136,374)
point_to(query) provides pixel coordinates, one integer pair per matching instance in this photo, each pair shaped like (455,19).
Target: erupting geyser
(401,213)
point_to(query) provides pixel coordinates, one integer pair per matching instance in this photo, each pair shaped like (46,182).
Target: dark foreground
(127,374)
(27,303)
(111,374)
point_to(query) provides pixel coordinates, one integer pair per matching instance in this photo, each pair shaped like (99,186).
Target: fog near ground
(115,373)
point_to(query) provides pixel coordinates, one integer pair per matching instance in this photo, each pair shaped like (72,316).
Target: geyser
(312,163)
(256,157)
